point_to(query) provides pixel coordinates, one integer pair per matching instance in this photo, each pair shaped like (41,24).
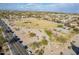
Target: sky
(53,7)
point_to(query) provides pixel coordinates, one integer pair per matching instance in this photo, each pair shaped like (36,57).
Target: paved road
(16,47)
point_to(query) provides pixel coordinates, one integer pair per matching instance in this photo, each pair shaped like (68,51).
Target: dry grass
(35,23)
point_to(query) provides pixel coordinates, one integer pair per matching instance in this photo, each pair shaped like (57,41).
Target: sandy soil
(24,26)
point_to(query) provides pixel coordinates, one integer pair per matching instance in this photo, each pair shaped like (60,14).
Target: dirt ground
(24,27)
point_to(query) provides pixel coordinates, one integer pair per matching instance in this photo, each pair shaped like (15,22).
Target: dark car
(25,46)
(1,53)
(20,41)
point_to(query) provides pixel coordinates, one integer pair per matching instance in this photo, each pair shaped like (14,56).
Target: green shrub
(48,32)
(61,39)
(32,34)
(39,52)
(76,30)
(60,25)
(35,45)
(43,42)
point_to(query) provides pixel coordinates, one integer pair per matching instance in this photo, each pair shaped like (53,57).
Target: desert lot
(43,36)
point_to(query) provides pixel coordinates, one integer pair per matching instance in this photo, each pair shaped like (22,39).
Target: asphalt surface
(16,47)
